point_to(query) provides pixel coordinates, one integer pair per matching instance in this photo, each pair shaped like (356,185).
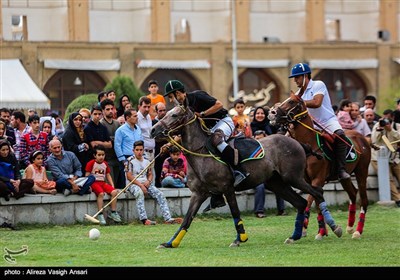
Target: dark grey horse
(282,167)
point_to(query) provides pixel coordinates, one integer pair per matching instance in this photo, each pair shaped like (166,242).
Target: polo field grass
(206,243)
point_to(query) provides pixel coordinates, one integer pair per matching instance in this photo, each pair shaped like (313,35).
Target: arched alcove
(162,76)
(257,88)
(343,84)
(66,85)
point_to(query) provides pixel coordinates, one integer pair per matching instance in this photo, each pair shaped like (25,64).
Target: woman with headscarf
(11,183)
(74,139)
(261,122)
(122,101)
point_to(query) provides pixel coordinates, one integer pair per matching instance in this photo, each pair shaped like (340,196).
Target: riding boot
(216,200)
(341,151)
(228,156)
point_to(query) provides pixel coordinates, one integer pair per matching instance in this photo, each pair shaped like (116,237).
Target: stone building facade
(74,47)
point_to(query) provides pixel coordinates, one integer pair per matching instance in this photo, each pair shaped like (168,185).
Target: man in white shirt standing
(145,124)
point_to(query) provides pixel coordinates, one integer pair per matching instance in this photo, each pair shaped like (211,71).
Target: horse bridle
(187,120)
(168,132)
(290,116)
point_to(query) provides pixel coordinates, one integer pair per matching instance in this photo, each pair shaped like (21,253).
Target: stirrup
(239,177)
(343,175)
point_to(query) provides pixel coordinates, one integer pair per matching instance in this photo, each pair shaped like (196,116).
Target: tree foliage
(83,101)
(388,99)
(124,85)
(120,84)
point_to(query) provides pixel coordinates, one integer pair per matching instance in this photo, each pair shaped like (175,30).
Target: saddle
(325,145)
(245,148)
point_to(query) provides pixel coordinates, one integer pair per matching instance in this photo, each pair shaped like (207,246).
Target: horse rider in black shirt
(216,118)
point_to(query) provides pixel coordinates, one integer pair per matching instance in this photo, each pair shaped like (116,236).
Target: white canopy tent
(17,90)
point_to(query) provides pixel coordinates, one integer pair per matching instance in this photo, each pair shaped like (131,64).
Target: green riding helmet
(172,86)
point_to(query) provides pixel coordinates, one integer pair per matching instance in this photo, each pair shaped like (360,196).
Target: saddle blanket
(248,148)
(326,148)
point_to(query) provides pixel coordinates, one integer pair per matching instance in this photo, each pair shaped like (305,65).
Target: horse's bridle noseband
(289,117)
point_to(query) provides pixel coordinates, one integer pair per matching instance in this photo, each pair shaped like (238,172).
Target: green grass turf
(207,241)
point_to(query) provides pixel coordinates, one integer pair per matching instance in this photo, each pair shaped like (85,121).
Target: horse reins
(174,142)
(297,118)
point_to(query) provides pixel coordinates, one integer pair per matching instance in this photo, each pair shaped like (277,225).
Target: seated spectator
(37,172)
(173,174)
(47,126)
(11,184)
(343,115)
(5,116)
(34,140)
(143,185)
(52,122)
(75,140)
(66,170)
(59,126)
(3,135)
(104,184)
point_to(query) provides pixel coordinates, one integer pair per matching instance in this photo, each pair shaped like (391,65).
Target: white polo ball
(94,234)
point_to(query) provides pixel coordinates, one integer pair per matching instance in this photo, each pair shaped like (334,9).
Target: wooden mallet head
(388,143)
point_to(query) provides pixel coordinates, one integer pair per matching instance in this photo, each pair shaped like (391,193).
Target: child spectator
(241,120)
(111,94)
(37,172)
(34,140)
(48,124)
(142,185)
(155,97)
(103,183)
(173,172)
(59,125)
(343,115)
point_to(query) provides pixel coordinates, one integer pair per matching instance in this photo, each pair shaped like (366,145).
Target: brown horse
(292,114)
(282,167)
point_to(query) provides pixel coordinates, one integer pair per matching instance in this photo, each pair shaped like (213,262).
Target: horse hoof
(235,243)
(356,235)
(319,236)
(163,246)
(304,233)
(338,231)
(349,230)
(288,241)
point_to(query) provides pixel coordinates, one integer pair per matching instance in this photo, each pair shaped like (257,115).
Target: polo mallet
(388,143)
(93,218)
